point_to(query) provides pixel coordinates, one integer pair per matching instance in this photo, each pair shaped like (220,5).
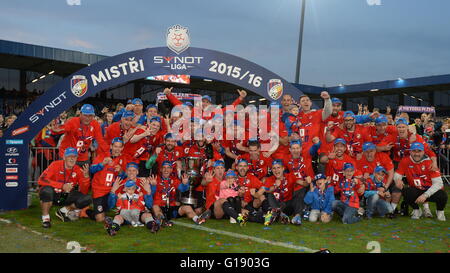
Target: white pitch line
(247,237)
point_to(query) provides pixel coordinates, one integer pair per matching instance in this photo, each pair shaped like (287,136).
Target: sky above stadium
(345,41)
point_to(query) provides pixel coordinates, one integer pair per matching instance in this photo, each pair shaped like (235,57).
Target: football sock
(426,206)
(394,205)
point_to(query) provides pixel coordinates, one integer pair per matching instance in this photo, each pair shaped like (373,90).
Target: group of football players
(320,164)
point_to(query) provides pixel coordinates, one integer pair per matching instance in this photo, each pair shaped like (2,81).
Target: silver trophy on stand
(192,166)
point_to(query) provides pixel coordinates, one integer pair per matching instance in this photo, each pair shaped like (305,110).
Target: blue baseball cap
(381,119)
(319,176)
(349,114)
(70,151)
(336,100)
(150,106)
(137,101)
(87,109)
(133,165)
(380,169)
(158,119)
(129,101)
(116,139)
(417,146)
(218,163)
(168,135)
(277,161)
(128,114)
(167,163)
(206,97)
(348,166)
(401,121)
(130,183)
(340,140)
(368,146)
(240,160)
(230,173)
(296,141)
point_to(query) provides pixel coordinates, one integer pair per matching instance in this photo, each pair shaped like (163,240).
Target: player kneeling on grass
(131,207)
(351,189)
(425,184)
(280,200)
(320,198)
(376,196)
(165,206)
(59,185)
(230,191)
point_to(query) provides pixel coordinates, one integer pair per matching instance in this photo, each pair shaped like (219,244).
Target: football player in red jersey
(211,181)
(165,205)
(424,183)
(402,141)
(251,186)
(311,120)
(79,132)
(65,184)
(380,134)
(105,171)
(280,197)
(337,159)
(351,189)
(169,152)
(370,160)
(144,143)
(258,164)
(123,128)
(353,134)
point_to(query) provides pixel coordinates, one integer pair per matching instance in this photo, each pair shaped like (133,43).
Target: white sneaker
(427,212)
(232,220)
(416,214)
(440,215)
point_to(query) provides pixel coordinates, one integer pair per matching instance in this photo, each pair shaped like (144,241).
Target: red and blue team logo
(275,88)
(79,85)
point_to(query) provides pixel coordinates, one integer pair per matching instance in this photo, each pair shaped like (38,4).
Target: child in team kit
(376,195)
(351,189)
(320,198)
(230,190)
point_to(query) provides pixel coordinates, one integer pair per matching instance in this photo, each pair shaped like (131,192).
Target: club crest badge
(275,88)
(79,85)
(178,39)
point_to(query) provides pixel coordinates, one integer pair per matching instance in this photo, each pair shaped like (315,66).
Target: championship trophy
(192,169)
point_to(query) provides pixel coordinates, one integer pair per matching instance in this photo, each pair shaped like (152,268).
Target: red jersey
(418,174)
(56,175)
(310,125)
(284,191)
(165,155)
(299,167)
(212,192)
(258,168)
(325,146)
(102,180)
(282,150)
(334,169)
(131,202)
(401,146)
(166,189)
(348,189)
(139,187)
(355,139)
(114,130)
(379,139)
(249,182)
(381,159)
(144,148)
(80,136)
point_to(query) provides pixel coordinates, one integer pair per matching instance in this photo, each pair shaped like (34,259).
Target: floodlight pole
(300,43)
